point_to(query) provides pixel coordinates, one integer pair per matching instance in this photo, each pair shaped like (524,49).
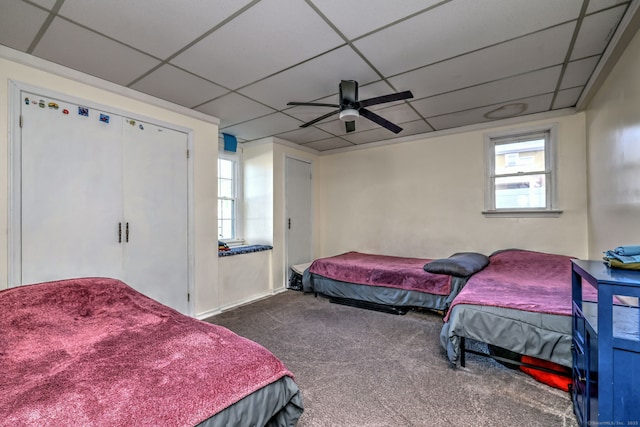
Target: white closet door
(155,203)
(71,192)
(298,192)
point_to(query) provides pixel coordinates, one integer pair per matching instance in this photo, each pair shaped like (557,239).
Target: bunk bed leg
(462,355)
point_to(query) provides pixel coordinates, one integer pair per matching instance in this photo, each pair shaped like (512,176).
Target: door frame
(285,260)
(14,211)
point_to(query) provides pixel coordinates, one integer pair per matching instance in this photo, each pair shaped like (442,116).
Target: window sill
(238,250)
(518,213)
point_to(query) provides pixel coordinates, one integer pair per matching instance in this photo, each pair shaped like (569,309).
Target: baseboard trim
(245,301)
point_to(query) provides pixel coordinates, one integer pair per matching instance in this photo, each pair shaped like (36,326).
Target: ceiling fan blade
(314,104)
(314,121)
(348,92)
(380,120)
(386,98)
(350,126)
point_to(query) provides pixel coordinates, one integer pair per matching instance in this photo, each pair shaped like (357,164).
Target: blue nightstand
(606,346)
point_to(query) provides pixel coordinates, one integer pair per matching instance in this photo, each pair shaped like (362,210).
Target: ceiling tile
(603,4)
(233,108)
(567,98)
(578,72)
(19,24)
(73,46)
(371,14)
(160,27)
(337,127)
(307,113)
(329,144)
(305,135)
(381,134)
(372,135)
(428,38)
(312,80)
(190,92)
(595,32)
(398,113)
(48,4)
(492,93)
(264,126)
(503,60)
(379,88)
(274,34)
(415,127)
(535,104)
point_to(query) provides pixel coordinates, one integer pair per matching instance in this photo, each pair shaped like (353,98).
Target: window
(229,197)
(520,172)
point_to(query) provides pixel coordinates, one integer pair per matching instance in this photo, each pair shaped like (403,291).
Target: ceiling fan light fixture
(349,114)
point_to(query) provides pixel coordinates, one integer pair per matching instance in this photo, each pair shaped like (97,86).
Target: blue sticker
(104,118)
(26,101)
(83,111)
(141,127)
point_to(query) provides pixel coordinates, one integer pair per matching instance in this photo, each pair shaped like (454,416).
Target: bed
(95,352)
(520,302)
(391,283)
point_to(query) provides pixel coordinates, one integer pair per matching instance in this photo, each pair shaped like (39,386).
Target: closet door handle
(126,233)
(119,232)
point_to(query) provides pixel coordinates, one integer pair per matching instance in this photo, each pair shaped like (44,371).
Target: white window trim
(239,230)
(551,209)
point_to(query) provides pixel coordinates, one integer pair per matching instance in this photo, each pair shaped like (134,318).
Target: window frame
(236,158)
(491,140)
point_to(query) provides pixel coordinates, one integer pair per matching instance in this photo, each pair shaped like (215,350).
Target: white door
(298,196)
(71,192)
(155,213)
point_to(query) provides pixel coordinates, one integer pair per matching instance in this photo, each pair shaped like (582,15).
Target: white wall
(258,194)
(243,278)
(424,198)
(204,164)
(613,135)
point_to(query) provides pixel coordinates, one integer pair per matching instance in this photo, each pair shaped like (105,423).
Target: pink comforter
(94,352)
(382,270)
(522,280)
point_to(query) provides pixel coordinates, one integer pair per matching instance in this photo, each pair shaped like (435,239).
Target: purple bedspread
(95,352)
(382,270)
(522,280)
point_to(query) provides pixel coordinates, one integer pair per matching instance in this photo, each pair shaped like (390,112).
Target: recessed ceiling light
(506,111)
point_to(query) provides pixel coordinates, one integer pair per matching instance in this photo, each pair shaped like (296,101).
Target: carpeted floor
(357,367)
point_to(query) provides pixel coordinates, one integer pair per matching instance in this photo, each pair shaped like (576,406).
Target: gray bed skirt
(278,404)
(545,336)
(380,294)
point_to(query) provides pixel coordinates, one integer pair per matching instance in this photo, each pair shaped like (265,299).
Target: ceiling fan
(350,107)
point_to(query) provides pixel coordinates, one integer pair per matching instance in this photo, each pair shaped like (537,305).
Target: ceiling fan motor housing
(349,94)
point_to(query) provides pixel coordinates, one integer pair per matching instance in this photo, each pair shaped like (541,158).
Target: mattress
(520,302)
(379,294)
(96,352)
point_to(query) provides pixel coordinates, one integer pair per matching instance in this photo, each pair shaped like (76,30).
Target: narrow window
(228,198)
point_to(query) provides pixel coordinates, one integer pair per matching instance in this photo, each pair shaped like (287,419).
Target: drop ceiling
(465,61)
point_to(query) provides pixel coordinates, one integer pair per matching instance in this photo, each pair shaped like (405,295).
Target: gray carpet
(358,367)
